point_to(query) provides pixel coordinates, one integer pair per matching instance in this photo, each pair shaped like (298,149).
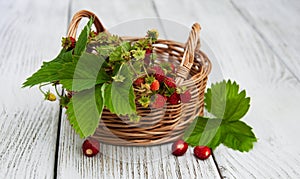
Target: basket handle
(76,19)
(192,44)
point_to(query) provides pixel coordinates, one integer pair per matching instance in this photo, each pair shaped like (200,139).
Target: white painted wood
(125,162)
(278,24)
(243,37)
(29,33)
(244,56)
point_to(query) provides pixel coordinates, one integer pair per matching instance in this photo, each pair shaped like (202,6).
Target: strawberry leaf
(48,71)
(82,41)
(212,132)
(84,74)
(84,111)
(228,105)
(119,96)
(225,102)
(116,55)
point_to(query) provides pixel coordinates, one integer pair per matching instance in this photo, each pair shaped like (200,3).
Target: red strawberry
(159,101)
(170,82)
(202,152)
(139,81)
(172,67)
(179,148)
(174,98)
(185,97)
(154,85)
(158,73)
(148,49)
(90,147)
(68,43)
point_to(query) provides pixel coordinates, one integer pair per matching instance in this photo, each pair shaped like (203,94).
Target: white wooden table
(255,43)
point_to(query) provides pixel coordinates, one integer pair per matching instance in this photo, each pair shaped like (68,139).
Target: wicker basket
(158,126)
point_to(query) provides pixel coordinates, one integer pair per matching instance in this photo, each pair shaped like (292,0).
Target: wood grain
(28,124)
(277,24)
(243,55)
(117,161)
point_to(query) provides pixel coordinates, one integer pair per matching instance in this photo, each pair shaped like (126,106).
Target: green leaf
(84,111)
(239,136)
(105,50)
(84,74)
(82,41)
(119,96)
(226,102)
(107,96)
(228,105)
(48,71)
(212,132)
(116,55)
(204,132)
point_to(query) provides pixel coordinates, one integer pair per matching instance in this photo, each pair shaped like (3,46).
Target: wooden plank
(277,23)
(241,54)
(28,124)
(125,162)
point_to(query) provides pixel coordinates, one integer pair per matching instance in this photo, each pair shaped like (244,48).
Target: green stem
(40,87)
(131,66)
(55,86)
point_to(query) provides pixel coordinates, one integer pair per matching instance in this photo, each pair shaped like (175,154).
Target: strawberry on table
(90,147)
(179,148)
(202,152)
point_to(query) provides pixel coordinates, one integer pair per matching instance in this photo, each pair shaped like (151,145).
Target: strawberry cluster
(158,87)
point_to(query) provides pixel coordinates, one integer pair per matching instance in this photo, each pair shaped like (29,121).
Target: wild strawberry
(50,96)
(90,147)
(159,101)
(170,82)
(202,152)
(139,81)
(154,85)
(158,73)
(148,49)
(185,97)
(179,147)
(174,98)
(68,43)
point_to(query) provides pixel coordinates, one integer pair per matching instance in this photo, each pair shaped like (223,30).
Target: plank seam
(217,165)
(60,115)
(159,18)
(260,34)
(164,31)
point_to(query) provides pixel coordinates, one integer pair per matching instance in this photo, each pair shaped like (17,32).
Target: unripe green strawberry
(68,43)
(50,96)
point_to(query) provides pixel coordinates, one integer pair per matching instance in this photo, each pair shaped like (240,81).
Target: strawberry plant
(99,70)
